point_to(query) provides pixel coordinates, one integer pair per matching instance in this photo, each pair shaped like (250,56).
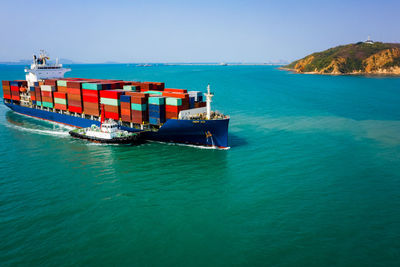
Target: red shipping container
(176,95)
(74,84)
(126,118)
(74,103)
(47,99)
(91,99)
(60,106)
(144,87)
(15,97)
(5,83)
(91,105)
(125,105)
(136,94)
(111,115)
(38,96)
(139,100)
(75,97)
(60,95)
(6,96)
(181,91)
(159,86)
(139,116)
(51,82)
(14,88)
(113,94)
(175,109)
(88,92)
(113,109)
(74,91)
(171,115)
(62,89)
(125,112)
(94,112)
(74,109)
(47,94)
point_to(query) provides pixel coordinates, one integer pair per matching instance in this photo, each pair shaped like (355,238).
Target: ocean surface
(312,178)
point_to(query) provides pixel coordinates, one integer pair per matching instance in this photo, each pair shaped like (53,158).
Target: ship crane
(209,97)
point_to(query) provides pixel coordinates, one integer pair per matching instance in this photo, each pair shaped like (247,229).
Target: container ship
(161,114)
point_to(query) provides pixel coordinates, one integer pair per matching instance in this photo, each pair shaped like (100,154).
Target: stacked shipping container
(137,102)
(126,114)
(139,107)
(74,96)
(60,101)
(110,100)
(6,89)
(47,95)
(156,110)
(91,98)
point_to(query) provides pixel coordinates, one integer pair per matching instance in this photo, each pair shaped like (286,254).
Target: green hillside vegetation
(354,54)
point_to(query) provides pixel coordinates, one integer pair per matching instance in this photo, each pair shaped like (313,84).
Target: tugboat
(108,133)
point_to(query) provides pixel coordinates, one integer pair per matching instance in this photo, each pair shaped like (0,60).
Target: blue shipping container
(156,120)
(156,114)
(126,98)
(14,83)
(191,102)
(156,108)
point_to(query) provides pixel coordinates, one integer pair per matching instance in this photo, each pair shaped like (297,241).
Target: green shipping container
(154,92)
(62,83)
(109,101)
(129,88)
(140,107)
(38,103)
(60,101)
(157,100)
(48,105)
(91,86)
(172,101)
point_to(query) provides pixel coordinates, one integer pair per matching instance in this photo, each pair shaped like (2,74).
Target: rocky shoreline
(394,71)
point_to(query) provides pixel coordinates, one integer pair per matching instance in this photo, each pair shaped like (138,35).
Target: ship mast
(209,96)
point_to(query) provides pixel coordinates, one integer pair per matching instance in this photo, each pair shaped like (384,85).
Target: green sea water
(312,178)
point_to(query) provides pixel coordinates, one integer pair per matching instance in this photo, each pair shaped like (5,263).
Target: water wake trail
(54,132)
(384,131)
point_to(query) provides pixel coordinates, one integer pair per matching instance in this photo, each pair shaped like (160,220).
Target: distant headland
(367,57)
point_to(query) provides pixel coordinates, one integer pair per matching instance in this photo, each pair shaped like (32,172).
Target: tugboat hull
(132,139)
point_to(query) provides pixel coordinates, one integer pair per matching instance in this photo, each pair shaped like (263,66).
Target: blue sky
(190,31)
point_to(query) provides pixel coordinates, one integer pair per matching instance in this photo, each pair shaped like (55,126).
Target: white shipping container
(48,88)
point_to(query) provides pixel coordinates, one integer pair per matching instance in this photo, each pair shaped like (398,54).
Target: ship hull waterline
(202,133)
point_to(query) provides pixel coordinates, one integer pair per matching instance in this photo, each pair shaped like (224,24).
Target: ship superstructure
(41,69)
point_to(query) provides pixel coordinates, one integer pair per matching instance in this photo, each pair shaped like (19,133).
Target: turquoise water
(312,179)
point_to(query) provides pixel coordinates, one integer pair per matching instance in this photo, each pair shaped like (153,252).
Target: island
(360,58)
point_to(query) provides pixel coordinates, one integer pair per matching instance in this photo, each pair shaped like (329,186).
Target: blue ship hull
(211,133)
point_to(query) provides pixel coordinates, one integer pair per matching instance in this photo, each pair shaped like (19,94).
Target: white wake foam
(384,131)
